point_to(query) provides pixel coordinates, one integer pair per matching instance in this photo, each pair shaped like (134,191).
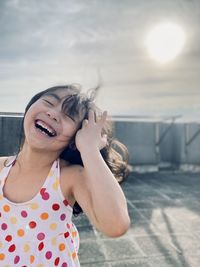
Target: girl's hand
(90,137)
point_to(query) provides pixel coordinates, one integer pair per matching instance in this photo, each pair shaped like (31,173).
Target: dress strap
(9,162)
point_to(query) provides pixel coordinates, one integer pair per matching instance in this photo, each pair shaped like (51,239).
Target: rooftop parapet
(153,142)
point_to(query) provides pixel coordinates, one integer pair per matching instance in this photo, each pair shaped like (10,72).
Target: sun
(165,41)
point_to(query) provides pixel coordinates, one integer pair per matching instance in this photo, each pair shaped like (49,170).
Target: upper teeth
(46,127)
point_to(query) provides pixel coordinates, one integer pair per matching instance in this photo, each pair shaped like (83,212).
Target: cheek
(28,118)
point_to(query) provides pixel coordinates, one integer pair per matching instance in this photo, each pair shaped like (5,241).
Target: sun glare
(165,41)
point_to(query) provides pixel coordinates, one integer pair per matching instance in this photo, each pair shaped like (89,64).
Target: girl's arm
(97,190)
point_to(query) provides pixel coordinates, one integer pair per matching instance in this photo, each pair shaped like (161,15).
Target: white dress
(39,232)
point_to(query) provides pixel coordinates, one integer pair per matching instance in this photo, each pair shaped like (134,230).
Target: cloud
(48,41)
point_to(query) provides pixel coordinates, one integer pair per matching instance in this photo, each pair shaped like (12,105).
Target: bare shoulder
(2,162)
(70,172)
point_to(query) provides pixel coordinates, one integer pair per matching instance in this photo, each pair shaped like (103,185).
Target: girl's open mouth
(44,128)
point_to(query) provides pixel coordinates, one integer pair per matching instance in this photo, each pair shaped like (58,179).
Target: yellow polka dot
(53,226)
(54,241)
(32,258)
(62,247)
(6,208)
(1,197)
(26,248)
(40,265)
(1,244)
(44,216)
(6,266)
(13,220)
(51,173)
(20,232)
(2,256)
(55,184)
(34,206)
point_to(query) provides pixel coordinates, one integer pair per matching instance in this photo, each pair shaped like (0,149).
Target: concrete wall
(10,128)
(149,143)
(139,137)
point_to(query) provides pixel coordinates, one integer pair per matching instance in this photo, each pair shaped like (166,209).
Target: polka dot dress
(38,232)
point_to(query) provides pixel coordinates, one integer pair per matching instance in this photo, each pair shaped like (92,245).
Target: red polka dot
(24,213)
(56,262)
(40,246)
(4,226)
(42,191)
(32,224)
(12,248)
(48,255)
(62,217)
(55,206)
(66,234)
(68,225)
(8,238)
(40,236)
(45,196)
(16,259)
(66,203)
(64,264)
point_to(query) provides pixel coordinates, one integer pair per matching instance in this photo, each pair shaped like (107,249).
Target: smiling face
(53,120)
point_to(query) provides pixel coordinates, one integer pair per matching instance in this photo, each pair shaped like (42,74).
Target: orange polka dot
(2,256)
(32,258)
(6,208)
(74,233)
(44,216)
(74,255)
(20,232)
(62,247)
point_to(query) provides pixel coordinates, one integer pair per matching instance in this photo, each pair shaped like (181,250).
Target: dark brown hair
(115,154)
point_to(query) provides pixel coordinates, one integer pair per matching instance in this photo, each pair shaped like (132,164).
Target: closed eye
(48,102)
(71,118)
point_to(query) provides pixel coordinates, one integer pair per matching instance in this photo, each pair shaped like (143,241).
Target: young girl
(67,163)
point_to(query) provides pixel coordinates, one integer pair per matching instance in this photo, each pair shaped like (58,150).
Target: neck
(30,158)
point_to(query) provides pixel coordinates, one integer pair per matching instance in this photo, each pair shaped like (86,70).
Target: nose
(53,114)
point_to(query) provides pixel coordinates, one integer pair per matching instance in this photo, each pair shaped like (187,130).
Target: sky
(46,42)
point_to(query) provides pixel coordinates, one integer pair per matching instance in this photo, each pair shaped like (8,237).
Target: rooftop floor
(165,229)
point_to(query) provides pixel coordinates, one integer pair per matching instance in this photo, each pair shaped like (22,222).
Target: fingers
(103,118)
(92,117)
(84,123)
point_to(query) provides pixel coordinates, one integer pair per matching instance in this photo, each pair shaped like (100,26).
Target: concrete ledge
(150,142)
